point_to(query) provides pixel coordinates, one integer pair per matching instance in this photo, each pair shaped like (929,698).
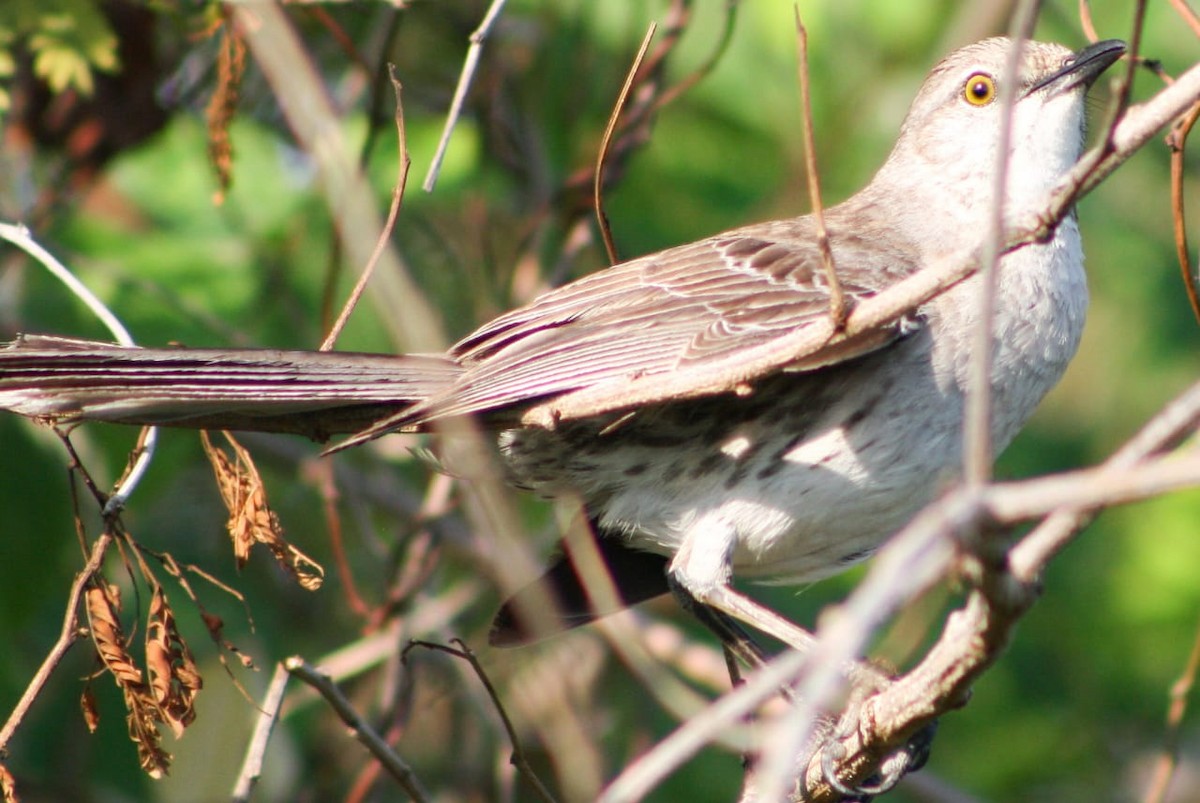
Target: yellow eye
(979,90)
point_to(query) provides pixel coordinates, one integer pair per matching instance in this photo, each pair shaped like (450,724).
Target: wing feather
(667,312)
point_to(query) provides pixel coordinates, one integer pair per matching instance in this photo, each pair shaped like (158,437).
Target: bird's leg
(700,575)
(733,637)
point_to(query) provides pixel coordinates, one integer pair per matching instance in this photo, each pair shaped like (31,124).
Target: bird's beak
(1083,68)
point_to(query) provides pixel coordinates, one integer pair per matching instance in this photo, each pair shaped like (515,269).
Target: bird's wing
(665,313)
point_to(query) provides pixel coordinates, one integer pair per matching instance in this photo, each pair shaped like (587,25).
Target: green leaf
(60,67)
(69,39)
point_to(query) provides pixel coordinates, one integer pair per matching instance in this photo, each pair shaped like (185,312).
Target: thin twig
(333,525)
(1013,502)
(518,758)
(1168,758)
(470,63)
(389,224)
(369,652)
(256,749)
(382,68)
(1189,16)
(363,732)
(212,623)
(67,636)
(601,157)
(21,237)
(697,75)
(306,104)
(379,72)
(77,468)
(838,309)
(1175,421)
(635,128)
(1085,22)
(1125,85)
(977,415)
(1176,141)
(339,35)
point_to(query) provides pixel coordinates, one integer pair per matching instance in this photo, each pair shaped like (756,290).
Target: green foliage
(7,67)
(68,40)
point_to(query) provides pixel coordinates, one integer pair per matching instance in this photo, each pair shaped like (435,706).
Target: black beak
(1082,68)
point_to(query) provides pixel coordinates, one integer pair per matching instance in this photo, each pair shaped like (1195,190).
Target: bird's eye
(980,89)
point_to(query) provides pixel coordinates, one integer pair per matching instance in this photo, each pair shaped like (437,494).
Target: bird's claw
(908,757)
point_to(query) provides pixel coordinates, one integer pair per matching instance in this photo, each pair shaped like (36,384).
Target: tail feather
(637,576)
(315,393)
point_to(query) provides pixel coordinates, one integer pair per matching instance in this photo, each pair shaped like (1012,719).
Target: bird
(794,475)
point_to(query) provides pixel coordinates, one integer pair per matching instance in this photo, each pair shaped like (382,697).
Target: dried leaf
(309,574)
(102,602)
(8,786)
(143,730)
(216,627)
(231,66)
(174,678)
(251,519)
(108,635)
(231,484)
(91,716)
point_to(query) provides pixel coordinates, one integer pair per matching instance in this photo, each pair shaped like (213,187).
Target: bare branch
(67,636)
(1176,141)
(363,732)
(1176,420)
(518,757)
(256,749)
(598,183)
(1009,503)
(21,237)
(313,119)
(478,36)
(1189,16)
(385,233)
(838,309)
(1168,759)
(977,454)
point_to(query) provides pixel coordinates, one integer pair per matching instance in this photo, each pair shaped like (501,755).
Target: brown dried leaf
(87,702)
(143,721)
(231,484)
(174,678)
(251,519)
(308,573)
(216,625)
(108,636)
(231,66)
(8,786)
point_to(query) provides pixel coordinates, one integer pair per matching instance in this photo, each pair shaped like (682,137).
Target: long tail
(312,393)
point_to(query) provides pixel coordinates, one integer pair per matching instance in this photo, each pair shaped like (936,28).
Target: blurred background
(123,186)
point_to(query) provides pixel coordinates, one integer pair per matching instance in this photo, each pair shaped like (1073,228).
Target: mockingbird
(802,471)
